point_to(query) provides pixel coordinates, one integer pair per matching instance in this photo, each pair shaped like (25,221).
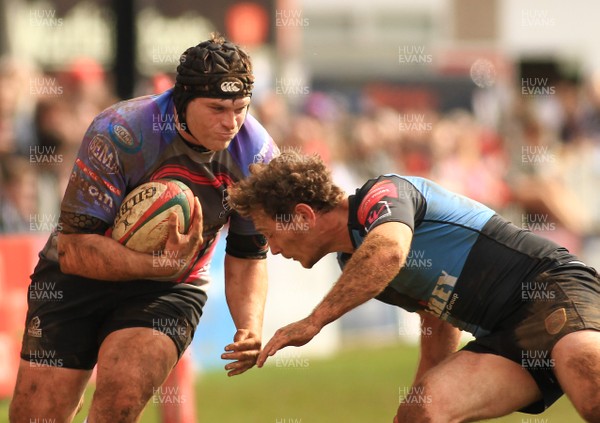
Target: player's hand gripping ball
(142,222)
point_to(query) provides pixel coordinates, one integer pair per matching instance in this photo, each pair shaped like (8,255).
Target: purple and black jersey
(136,141)
(466,264)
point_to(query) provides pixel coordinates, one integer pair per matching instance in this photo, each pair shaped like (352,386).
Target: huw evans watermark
(536,154)
(537,18)
(44,358)
(537,86)
(45,86)
(44,290)
(291,360)
(414,54)
(166,123)
(290,222)
(536,359)
(414,395)
(537,291)
(291,86)
(537,222)
(45,17)
(414,122)
(290,18)
(168,395)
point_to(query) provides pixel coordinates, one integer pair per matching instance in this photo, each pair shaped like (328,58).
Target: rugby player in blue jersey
(125,311)
(521,296)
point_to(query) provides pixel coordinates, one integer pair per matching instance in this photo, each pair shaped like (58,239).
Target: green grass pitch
(356,385)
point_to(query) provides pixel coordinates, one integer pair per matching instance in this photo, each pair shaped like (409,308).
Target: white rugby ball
(142,221)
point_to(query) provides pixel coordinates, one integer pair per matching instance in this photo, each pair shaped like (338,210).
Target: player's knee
(423,414)
(412,414)
(24,411)
(125,399)
(415,406)
(425,404)
(590,412)
(126,394)
(120,405)
(17,411)
(588,406)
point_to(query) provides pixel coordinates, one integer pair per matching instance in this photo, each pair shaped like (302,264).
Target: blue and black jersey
(466,264)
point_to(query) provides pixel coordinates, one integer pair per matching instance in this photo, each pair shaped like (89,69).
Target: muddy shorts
(69,317)
(559,301)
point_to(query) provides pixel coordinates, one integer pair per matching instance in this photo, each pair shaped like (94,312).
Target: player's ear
(306,213)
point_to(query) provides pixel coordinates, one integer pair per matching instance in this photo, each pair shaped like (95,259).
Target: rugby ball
(142,220)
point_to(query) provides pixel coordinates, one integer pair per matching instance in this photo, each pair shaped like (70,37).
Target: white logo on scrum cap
(231,86)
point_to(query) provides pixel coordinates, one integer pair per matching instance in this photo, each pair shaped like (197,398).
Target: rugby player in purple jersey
(126,312)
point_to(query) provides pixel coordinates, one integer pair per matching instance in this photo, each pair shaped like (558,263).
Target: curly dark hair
(287,180)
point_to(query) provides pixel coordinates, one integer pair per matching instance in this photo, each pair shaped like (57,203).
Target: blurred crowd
(43,117)
(533,158)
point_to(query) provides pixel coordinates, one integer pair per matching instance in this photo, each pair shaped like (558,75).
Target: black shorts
(69,317)
(557,302)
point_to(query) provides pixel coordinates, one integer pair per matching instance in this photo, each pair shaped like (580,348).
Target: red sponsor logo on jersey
(381,209)
(370,207)
(93,175)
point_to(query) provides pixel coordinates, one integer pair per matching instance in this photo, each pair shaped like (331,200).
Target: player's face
(290,236)
(213,122)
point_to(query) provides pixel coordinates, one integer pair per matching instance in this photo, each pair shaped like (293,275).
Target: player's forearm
(367,273)
(246,292)
(100,257)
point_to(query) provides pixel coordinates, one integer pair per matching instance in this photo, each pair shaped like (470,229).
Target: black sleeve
(247,246)
(76,223)
(389,198)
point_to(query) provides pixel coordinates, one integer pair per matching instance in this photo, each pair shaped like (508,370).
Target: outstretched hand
(244,350)
(295,334)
